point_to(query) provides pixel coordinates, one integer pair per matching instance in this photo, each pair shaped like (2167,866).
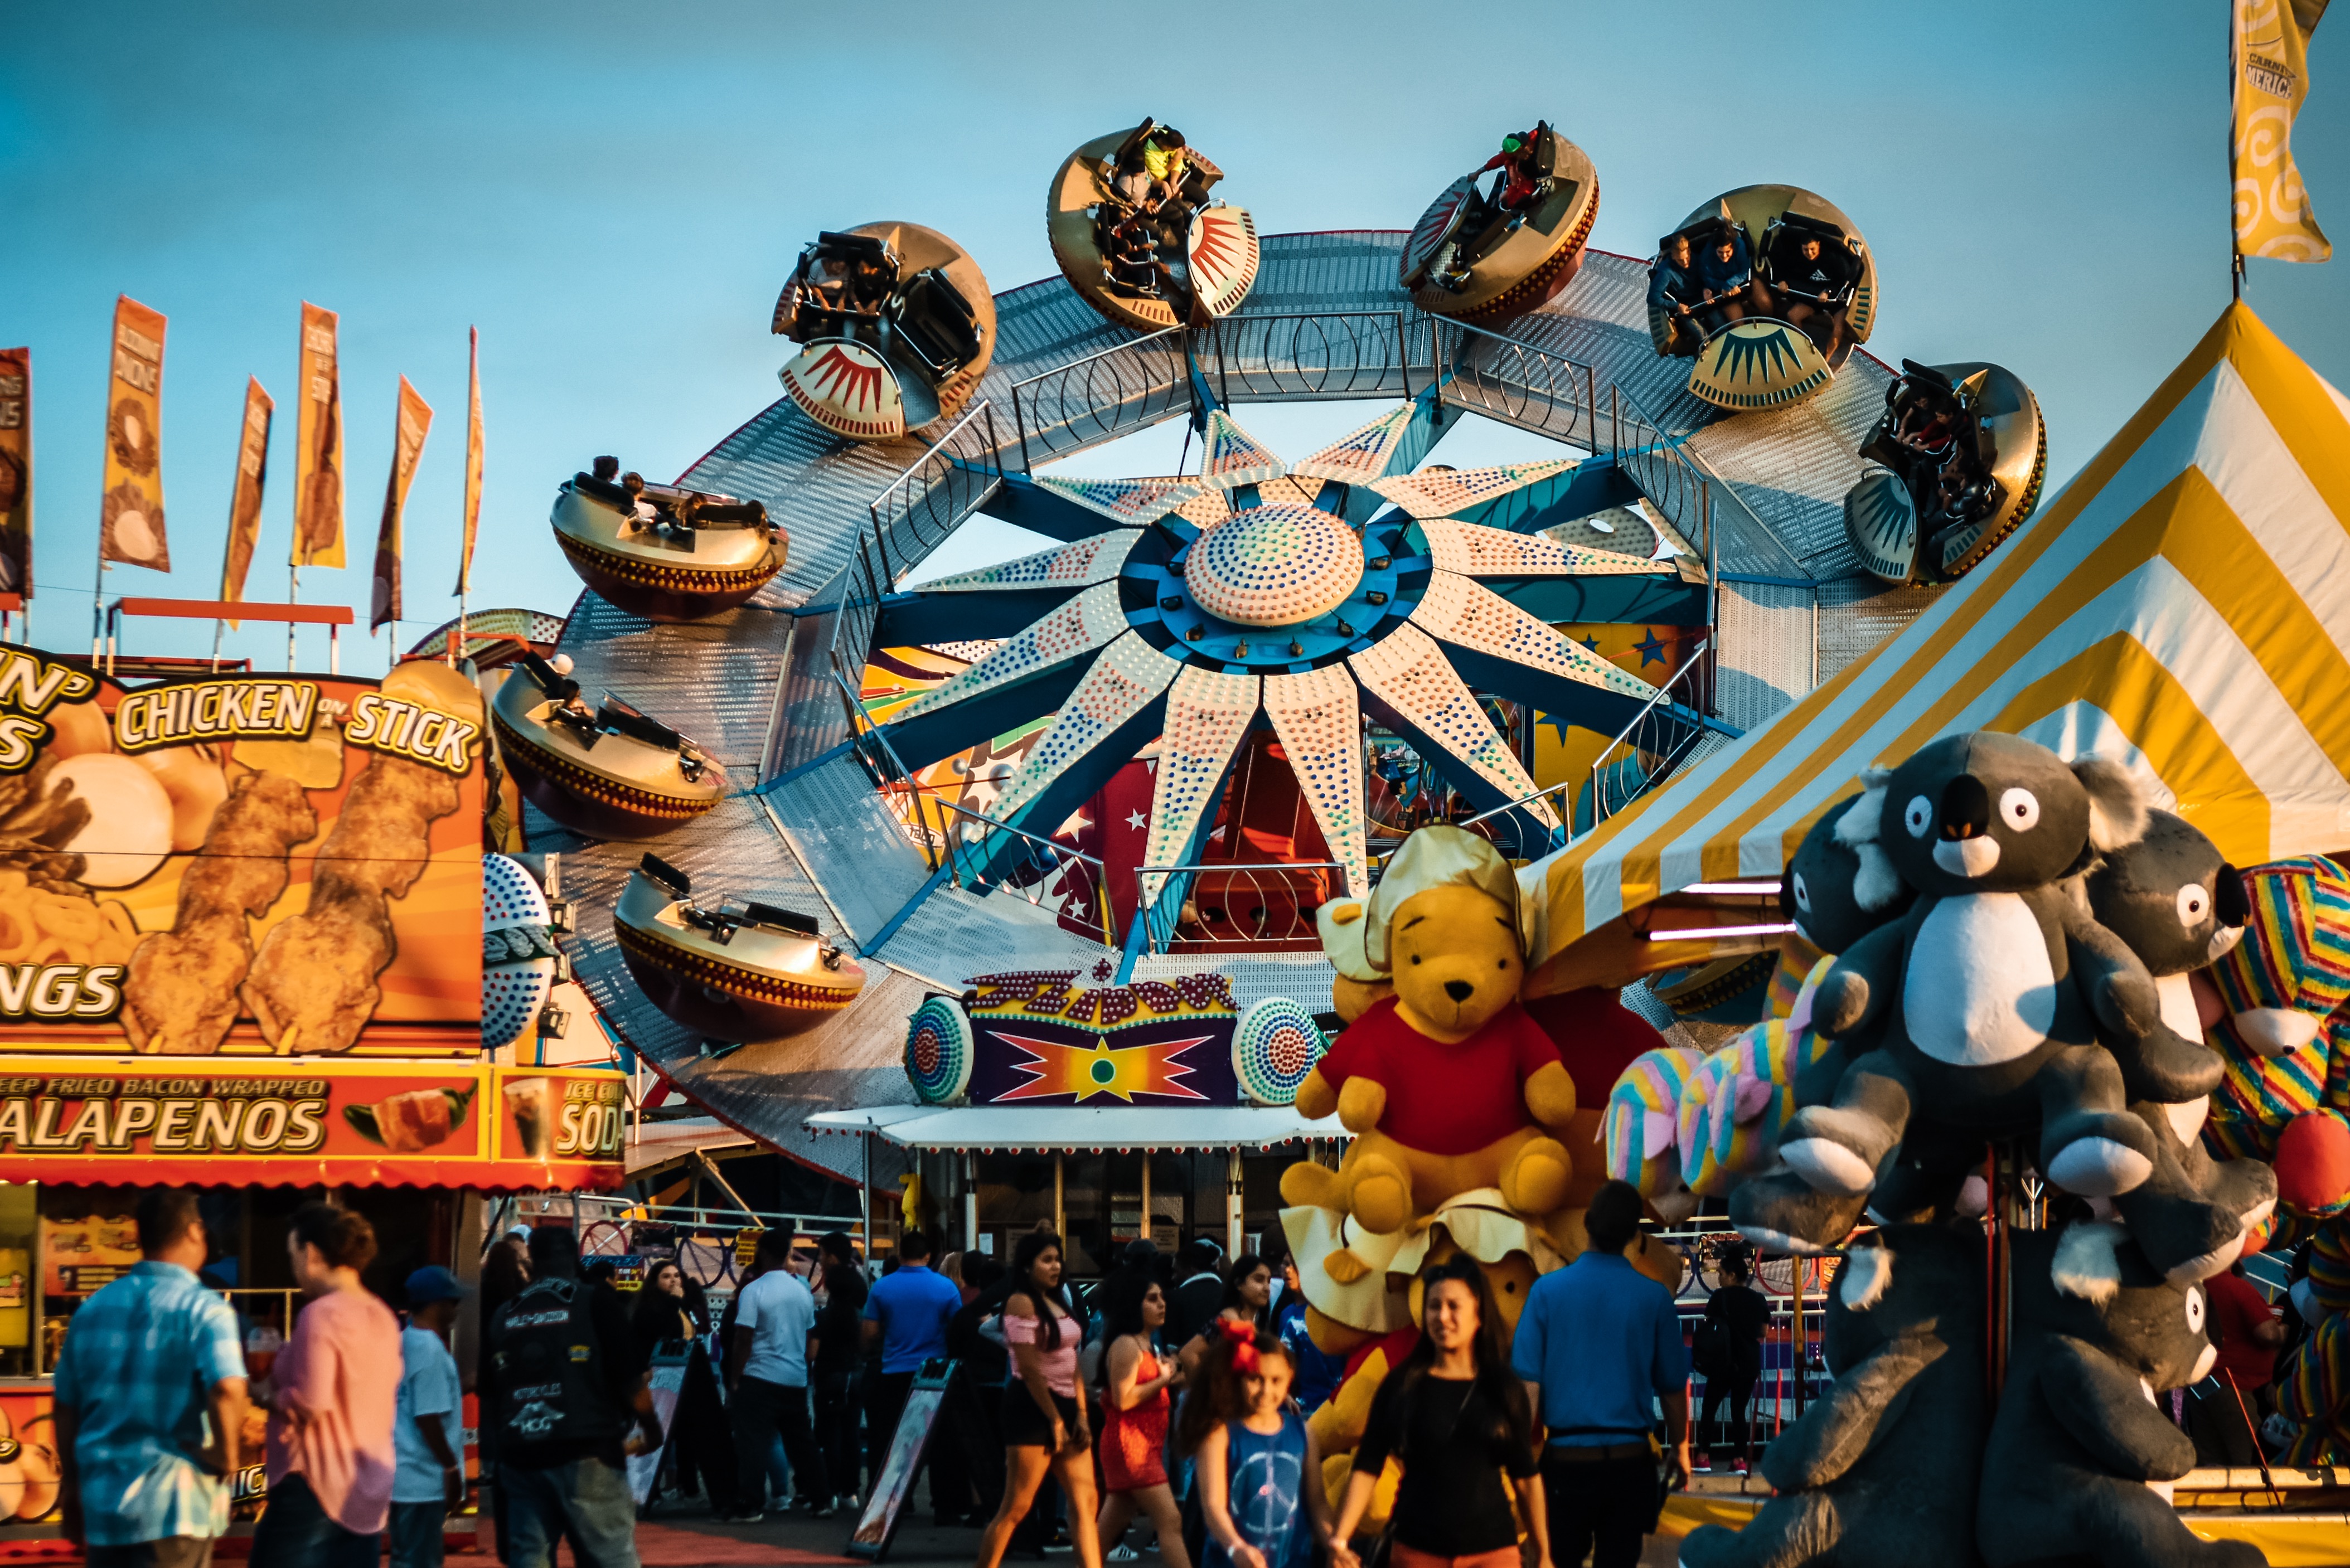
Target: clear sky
(613,193)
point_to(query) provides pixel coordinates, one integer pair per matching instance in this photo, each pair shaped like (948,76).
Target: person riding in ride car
(1813,285)
(1516,156)
(1725,273)
(1669,288)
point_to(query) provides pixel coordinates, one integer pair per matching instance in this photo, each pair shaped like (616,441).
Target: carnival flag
(16,472)
(131,515)
(245,501)
(318,442)
(2271,78)
(407,445)
(472,459)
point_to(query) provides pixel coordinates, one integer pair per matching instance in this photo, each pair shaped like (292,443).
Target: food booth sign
(237,864)
(136,1120)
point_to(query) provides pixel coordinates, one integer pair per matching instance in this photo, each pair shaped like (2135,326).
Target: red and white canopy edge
(1074,1129)
(2182,607)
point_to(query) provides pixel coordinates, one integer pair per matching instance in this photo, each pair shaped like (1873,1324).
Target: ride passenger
(1725,276)
(1517,157)
(1814,287)
(1669,291)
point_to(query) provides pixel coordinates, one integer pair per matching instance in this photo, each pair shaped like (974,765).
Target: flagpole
(2235,256)
(97,603)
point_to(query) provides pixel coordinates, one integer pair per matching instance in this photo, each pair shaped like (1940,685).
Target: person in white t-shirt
(767,1382)
(428,1433)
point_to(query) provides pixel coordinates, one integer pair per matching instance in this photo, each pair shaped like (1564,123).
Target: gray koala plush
(2175,900)
(1882,1468)
(1995,989)
(2079,1443)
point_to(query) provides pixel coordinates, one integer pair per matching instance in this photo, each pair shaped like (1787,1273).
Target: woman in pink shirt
(1044,1405)
(330,1441)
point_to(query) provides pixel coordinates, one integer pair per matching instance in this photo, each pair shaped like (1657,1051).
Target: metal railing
(1655,742)
(1308,355)
(1517,383)
(1056,878)
(1219,904)
(1099,398)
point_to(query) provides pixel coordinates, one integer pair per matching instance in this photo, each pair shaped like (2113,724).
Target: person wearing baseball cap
(428,1434)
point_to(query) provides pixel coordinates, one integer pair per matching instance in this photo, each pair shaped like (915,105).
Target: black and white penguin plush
(1882,1468)
(1994,988)
(2080,1455)
(2175,900)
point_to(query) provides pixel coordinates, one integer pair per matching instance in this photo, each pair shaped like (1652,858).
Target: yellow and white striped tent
(2183,606)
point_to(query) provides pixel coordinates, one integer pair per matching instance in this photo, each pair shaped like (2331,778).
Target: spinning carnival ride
(911,771)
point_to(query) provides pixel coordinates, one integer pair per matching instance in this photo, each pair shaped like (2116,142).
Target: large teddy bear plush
(1448,1085)
(2080,1454)
(2283,1001)
(1993,988)
(1882,1468)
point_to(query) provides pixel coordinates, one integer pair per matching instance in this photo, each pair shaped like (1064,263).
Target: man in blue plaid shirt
(150,1399)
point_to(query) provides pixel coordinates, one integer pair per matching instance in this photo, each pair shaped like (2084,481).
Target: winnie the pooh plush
(2080,1456)
(1881,1468)
(1448,1085)
(1357,987)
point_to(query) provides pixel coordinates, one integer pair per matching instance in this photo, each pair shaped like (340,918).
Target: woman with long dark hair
(1044,1425)
(833,1373)
(1455,1417)
(1248,1297)
(1135,1413)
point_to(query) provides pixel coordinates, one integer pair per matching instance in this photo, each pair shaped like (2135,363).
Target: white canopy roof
(1074,1128)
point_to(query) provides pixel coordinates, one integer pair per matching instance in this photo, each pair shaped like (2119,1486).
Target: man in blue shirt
(1598,1341)
(428,1428)
(907,1312)
(150,1397)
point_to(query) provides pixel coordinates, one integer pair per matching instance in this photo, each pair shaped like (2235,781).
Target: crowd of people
(1175,1392)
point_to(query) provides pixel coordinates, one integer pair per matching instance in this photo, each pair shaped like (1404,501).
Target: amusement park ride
(1224,694)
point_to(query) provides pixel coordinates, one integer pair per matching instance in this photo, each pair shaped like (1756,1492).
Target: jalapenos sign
(365,1124)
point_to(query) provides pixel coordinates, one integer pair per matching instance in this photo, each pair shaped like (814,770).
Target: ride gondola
(1490,255)
(733,973)
(1769,288)
(664,553)
(898,327)
(1137,234)
(605,771)
(1957,461)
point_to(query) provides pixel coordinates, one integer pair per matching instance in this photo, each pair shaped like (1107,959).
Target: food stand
(239,952)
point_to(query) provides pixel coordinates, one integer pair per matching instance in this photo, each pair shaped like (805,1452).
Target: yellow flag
(245,501)
(414,419)
(16,472)
(2272,77)
(319,442)
(130,514)
(473,460)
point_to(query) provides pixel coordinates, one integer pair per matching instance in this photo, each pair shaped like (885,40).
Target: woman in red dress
(1134,1417)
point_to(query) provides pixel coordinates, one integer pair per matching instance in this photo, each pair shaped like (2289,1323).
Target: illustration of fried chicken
(180,994)
(313,986)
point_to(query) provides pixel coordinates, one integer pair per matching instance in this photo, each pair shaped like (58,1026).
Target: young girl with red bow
(1258,1469)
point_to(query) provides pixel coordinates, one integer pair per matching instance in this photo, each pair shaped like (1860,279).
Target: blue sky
(613,193)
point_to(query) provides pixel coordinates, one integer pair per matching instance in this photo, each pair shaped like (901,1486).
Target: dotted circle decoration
(510,895)
(1274,1045)
(937,1051)
(1275,565)
(512,993)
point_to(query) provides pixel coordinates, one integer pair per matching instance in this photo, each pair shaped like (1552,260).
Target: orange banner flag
(318,440)
(130,514)
(472,459)
(245,499)
(16,472)
(415,419)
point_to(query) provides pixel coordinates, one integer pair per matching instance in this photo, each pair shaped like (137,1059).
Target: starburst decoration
(1300,598)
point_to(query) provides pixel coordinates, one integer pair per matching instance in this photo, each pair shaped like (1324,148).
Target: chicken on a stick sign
(241,866)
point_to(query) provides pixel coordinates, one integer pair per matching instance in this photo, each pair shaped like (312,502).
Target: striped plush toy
(2286,1034)
(1643,1126)
(2312,1387)
(1737,1100)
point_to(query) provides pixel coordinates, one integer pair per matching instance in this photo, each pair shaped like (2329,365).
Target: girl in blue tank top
(1260,1472)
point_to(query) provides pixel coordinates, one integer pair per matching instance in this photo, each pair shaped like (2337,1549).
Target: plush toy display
(2312,1384)
(1735,1105)
(2284,1033)
(1644,1128)
(1356,985)
(2179,905)
(1994,986)
(2080,1453)
(1448,1085)
(1882,1468)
